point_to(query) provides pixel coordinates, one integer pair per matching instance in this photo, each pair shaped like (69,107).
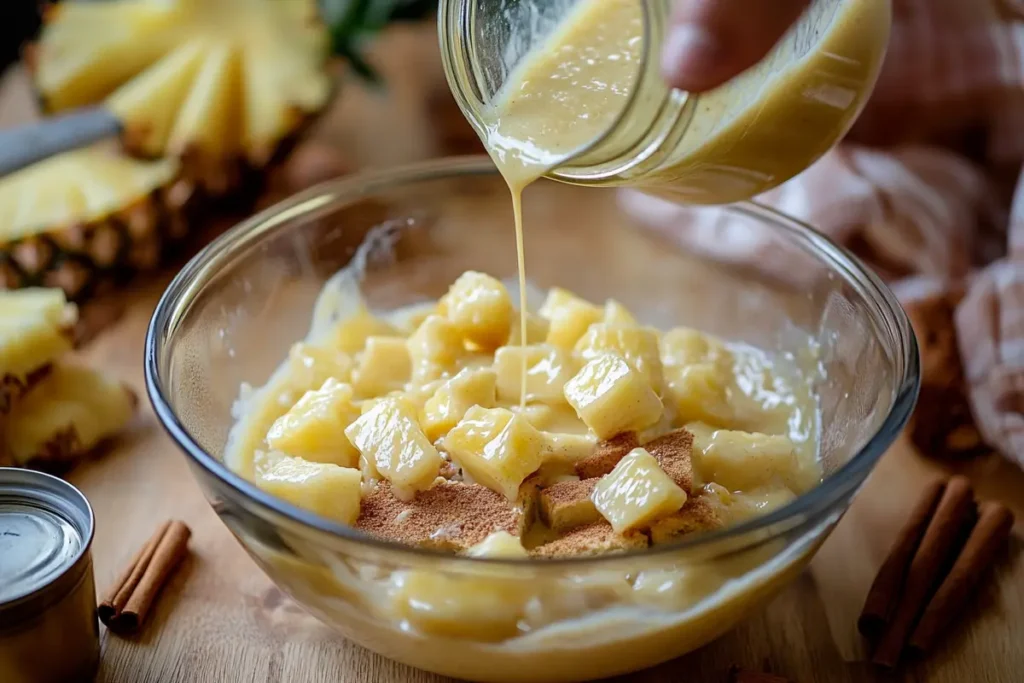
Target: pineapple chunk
(449,404)
(611,397)
(536,330)
(637,493)
(568,448)
(66,415)
(683,346)
(744,461)
(314,429)
(480,309)
(569,315)
(384,366)
(496,448)
(554,418)
(637,345)
(548,368)
(34,331)
(312,365)
(617,314)
(350,334)
(498,544)
(392,445)
(434,349)
(700,393)
(324,488)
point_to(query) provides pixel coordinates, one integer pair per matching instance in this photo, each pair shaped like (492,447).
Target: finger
(711,41)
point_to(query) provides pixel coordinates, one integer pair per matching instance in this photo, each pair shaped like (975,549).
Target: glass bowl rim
(190,281)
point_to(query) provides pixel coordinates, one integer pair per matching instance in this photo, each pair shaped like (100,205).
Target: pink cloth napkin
(923,189)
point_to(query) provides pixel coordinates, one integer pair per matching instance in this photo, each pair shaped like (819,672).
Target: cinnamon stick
(941,541)
(988,536)
(130,598)
(888,584)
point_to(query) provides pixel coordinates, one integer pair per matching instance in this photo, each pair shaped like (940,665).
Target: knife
(25,145)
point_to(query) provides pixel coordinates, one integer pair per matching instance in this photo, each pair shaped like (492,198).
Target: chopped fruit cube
(435,348)
(568,448)
(536,330)
(567,505)
(417,395)
(682,346)
(314,428)
(617,314)
(569,315)
(594,539)
(741,506)
(459,605)
(637,345)
(453,398)
(744,461)
(700,393)
(674,453)
(408,318)
(323,488)
(36,328)
(499,544)
(452,516)
(554,418)
(548,368)
(612,397)
(480,309)
(351,334)
(312,365)
(496,448)
(637,493)
(606,455)
(390,441)
(697,515)
(384,366)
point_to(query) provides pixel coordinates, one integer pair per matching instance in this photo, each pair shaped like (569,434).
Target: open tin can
(49,632)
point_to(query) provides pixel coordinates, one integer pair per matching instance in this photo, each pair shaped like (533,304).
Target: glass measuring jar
(729,144)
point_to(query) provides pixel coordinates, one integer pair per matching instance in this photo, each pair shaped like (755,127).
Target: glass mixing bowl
(231,314)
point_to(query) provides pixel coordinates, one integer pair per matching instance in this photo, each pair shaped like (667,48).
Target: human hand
(711,41)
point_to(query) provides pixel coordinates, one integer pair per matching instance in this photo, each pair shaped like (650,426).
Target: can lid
(46,525)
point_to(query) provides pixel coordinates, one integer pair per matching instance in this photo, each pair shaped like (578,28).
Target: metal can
(49,632)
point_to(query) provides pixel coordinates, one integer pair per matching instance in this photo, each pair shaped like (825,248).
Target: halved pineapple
(65,416)
(221,84)
(88,216)
(35,330)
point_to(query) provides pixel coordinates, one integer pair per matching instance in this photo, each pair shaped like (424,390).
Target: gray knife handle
(25,145)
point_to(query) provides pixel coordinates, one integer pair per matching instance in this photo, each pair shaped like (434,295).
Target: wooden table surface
(221,620)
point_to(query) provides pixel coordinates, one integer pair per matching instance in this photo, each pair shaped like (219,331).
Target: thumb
(711,41)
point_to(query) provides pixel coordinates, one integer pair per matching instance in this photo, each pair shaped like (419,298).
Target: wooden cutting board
(221,620)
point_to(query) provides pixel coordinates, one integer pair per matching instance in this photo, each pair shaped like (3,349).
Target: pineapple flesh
(35,330)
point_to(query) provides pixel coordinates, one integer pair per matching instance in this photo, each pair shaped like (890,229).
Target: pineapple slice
(65,416)
(434,348)
(612,397)
(314,428)
(569,317)
(745,461)
(384,366)
(35,330)
(496,448)
(548,368)
(221,83)
(393,446)
(637,345)
(86,216)
(324,488)
(499,544)
(637,493)
(449,404)
(480,309)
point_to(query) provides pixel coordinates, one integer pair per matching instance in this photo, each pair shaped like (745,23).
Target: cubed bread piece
(470,387)
(674,453)
(314,428)
(637,493)
(496,447)
(435,349)
(499,544)
(391,442)
(567,505)
(479,307)
(350,335)
(548,368)
(612,397)
(699,514)
(323,488)
(594,539)
(452,516)
(606,455)
(638,346)
(569,317)
(383,366)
